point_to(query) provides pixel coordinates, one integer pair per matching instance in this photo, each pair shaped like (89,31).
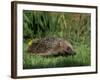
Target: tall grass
(74,27)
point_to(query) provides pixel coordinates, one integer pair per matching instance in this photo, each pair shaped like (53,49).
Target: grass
(74,27)
(82,58)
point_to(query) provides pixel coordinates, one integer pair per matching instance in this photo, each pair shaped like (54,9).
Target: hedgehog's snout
(74,53)
(70,53)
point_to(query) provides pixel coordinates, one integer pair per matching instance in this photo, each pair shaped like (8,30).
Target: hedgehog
(50,46)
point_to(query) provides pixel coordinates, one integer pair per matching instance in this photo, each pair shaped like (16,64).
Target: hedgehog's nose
(74,53)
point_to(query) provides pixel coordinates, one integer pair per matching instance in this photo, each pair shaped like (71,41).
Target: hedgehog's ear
(60,44)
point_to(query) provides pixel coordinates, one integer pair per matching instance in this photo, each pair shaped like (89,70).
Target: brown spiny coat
(51,46)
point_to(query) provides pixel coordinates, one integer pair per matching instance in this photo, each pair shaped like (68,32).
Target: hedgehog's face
(69,51)
(67,48)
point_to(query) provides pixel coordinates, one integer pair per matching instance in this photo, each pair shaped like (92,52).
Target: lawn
(74,27)
(82,58)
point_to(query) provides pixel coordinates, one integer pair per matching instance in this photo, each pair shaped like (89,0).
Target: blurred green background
(74,27)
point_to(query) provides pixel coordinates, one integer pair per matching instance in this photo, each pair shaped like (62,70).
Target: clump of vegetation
(74,27)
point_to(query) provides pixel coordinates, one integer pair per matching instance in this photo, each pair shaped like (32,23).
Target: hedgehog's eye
(68,49)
